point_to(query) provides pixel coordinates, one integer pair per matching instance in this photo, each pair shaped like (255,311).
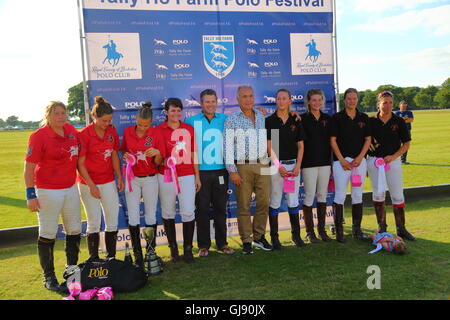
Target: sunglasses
(385,94)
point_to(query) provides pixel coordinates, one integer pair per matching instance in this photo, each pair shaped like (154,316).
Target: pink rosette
(105,293)
(74,288)
(88,294)
(171,164)
(128,172)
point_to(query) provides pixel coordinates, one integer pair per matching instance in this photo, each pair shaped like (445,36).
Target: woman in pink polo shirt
(98,164)
(180,151)
(50,179)
(145,144)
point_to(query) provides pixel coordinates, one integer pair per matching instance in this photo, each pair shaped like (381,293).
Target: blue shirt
(243,140)
(406,113)
(209,138)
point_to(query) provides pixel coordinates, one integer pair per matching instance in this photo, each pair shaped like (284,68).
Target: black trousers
(214,191)
(403,157)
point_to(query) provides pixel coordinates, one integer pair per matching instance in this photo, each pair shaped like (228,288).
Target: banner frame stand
(83,63)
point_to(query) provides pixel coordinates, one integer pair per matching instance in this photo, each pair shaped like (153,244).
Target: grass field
(318,271)
(431,145)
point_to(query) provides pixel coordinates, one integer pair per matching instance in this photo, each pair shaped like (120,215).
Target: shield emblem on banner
(218,55)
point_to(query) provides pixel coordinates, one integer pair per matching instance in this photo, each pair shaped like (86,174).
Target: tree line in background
(431,97)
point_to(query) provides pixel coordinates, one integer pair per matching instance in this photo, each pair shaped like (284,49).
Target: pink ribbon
(382,168)
(128,172)
(171,163)
(380,162)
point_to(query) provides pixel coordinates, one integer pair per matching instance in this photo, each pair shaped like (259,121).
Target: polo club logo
(218,55)
(111,53)
(313,53)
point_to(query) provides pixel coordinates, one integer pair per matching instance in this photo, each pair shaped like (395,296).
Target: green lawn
(431,145)
(319,271)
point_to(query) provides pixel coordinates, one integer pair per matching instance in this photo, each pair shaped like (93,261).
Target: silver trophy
(152,262)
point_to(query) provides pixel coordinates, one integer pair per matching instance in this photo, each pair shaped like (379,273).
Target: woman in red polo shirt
(145,144)
(50,176)
(97,164)
(180,155)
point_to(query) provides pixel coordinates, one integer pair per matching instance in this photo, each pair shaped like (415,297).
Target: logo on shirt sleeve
(29,151)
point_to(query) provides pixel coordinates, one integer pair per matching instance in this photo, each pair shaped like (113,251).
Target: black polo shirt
(387,137)
(290,133)
(350,133)
(317,143)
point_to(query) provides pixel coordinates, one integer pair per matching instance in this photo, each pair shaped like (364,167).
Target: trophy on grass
(153,263)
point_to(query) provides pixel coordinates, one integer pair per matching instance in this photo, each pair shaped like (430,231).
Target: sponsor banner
(210,5)
(151,50)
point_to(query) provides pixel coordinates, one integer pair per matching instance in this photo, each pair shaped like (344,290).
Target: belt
(150,175)
(288,162)
(246,161)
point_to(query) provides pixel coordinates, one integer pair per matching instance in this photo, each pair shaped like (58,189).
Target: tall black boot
(357,214)
(399,214)
(46,259)
(135,235)
(72,248)
(321,216)
(110,244)
(380,212)
(295,229)
(188,236)
(169,227)
(93,240)
(309,224)
(273,222)
(338,212)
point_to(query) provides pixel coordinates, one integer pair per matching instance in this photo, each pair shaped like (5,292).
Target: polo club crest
(218,55)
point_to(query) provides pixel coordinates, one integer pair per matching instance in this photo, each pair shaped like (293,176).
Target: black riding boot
(357,214)
(110,244)
(321,216)
(93,240)
(169,227)
(295,229)
(309,224)
(273,222)
(338,212)
(188,236)
(45,252)
(135,235)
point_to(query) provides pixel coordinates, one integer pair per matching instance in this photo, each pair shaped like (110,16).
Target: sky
(398,42)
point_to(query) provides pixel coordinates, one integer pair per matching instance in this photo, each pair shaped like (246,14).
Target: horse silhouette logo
(111,53)
(313,53)
(218,54)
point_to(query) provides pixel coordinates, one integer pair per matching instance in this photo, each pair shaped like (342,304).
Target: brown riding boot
(399,214)
(380,212)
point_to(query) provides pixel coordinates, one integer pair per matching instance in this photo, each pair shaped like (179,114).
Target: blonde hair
(400,248)
(312,92)
(49,109)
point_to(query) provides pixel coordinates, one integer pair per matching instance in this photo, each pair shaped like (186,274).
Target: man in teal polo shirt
(208,126)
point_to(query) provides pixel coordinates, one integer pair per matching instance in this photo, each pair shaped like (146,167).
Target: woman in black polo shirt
(286,151)
(390,139)
(350,141)
(316,163)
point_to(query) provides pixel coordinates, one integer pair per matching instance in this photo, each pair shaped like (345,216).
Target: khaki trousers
(253,181)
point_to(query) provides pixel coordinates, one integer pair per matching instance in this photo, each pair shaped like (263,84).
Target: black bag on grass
(97,273)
